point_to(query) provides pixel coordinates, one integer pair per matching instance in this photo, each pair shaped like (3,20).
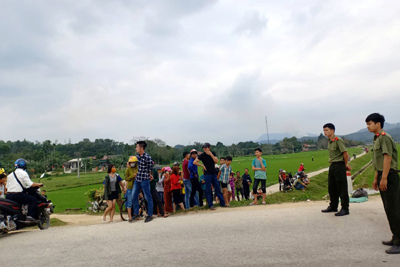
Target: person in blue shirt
(259,167)
(194,179)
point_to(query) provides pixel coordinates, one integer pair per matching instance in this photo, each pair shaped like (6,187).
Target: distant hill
(364,136)
(273,138)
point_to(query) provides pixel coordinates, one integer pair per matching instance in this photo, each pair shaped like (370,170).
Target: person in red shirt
(176,187)
(301,168)
(186,180)
(167,190)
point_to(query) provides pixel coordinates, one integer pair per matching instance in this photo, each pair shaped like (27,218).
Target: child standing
(176,187)
(223,176)
(259,167)
(167,190)
(239,185)
(231,192)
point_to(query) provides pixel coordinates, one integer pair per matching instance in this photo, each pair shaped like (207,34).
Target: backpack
(360,192)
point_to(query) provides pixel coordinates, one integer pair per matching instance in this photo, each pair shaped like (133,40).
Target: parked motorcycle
(13,215)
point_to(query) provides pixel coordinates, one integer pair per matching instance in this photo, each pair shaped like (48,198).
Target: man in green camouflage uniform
(337,179)
(386,177)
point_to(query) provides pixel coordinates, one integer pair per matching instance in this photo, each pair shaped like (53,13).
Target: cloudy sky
(191,70)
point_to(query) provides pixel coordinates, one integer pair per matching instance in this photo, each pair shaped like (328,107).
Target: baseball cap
(193,151)
(176,163)
(206,145)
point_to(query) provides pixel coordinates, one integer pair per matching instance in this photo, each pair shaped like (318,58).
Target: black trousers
(255,185)
(239,191)
(196,187)
(157,202)
(246,191)
(24,198)
(337,185)
(391,204)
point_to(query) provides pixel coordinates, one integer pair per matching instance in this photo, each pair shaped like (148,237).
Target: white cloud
(187,71)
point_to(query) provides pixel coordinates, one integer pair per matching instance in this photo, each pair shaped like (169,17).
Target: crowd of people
(167,189)
(299,181)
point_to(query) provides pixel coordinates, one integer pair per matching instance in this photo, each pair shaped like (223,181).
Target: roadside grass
(365,179)
(358,163)
(54,222)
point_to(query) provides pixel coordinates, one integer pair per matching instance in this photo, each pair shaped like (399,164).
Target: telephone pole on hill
(266,123)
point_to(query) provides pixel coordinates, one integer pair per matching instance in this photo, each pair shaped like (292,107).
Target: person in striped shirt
(223,176)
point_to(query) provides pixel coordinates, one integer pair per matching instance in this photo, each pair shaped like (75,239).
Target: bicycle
(123,211)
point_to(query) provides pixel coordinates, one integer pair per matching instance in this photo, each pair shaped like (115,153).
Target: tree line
(48,155)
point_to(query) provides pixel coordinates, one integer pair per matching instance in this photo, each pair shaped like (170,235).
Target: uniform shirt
(384,144)
(208,163)
(259,174)
(225,172)
(145,165)
(12,184)
(336,148)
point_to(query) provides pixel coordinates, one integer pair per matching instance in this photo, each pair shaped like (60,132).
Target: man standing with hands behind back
(337,180)
(386,177)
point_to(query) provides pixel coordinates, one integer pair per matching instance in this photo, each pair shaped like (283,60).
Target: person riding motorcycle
(17,182)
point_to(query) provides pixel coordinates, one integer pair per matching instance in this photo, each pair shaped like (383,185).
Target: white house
(72,165)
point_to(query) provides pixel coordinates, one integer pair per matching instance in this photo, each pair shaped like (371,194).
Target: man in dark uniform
(386,177)
(337,180)
(246,183)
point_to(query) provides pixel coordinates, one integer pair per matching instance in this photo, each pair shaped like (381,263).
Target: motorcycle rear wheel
(44,220)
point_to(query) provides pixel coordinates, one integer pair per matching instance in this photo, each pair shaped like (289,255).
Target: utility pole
(79,166)
(266,123)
